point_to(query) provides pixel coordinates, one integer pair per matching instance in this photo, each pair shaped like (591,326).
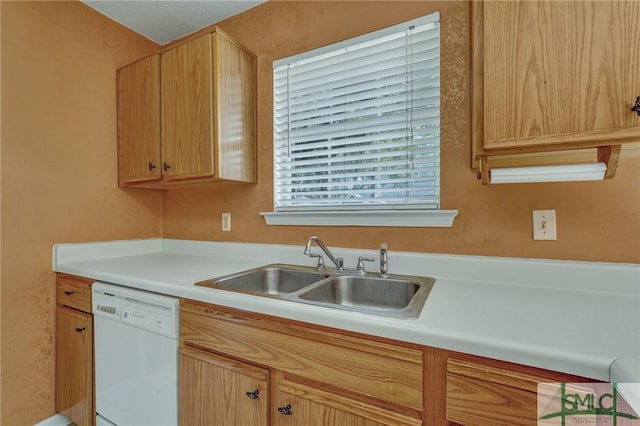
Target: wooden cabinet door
(235,83)
(300,404)
(218,391)
(557,72)
(187,110)
(139,121)
(74,366)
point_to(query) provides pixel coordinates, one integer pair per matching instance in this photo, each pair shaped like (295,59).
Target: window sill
(393,218)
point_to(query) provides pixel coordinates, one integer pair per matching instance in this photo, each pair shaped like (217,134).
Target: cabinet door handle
(636,107)
(254,395)
(80,330)
(151,166)
(165,166)
(69,293)
(285,411)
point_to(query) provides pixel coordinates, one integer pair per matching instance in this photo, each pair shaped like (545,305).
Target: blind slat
(427,123)
(349,113)
(388,149)
(395,41)
(388,165)
(351,67)
(373,158)
(297,90)
(331,106)
(424,78)
(379,181)
(392,140)
(397,202)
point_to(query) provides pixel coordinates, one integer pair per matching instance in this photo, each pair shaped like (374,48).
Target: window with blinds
(357,123)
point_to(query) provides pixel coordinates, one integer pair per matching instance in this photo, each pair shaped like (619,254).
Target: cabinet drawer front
(328,409)
(371,369)
(74,292)
(480,395)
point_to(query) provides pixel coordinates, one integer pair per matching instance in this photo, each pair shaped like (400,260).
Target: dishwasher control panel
(149,311)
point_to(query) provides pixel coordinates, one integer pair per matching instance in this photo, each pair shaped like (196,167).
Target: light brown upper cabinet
(206,110)
(554,75)
(139,121)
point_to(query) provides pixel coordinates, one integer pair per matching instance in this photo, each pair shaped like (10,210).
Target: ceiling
(165,20)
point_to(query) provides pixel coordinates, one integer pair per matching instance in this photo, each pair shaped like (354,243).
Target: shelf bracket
(484,175)
(609,155)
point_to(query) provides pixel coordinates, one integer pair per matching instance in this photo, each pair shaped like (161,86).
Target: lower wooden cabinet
(483,392)
(481,395)
(241,368)
(74,365)
(303,375)
(218,391)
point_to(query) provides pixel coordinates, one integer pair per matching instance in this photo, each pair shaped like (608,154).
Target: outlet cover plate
(226,222)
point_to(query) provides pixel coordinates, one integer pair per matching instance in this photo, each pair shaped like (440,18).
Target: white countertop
(572,317)
(626,373)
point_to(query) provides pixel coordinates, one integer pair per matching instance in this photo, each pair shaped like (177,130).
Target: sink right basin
(388,296)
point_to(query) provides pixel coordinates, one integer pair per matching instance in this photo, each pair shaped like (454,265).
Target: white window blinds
(357,123)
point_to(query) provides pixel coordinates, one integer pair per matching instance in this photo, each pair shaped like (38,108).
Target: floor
(56,420)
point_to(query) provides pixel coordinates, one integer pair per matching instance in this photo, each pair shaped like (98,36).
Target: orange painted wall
(58,167)
(59,180)
(597,221)
(0,218)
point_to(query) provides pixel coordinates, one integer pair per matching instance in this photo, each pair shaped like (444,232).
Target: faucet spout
(339,262)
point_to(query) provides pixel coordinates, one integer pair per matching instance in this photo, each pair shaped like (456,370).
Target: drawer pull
(636,107)
(80,329)
(285,411)
(69,293)
(254,395)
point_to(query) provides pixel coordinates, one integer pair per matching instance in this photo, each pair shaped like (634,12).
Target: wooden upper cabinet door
(74,366)
(218,391)
(139,121)
(554,73)
(235,82)
(187,110)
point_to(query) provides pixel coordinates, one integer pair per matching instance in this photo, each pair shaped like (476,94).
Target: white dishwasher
(136,356)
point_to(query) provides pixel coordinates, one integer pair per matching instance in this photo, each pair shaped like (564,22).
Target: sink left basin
(267,280)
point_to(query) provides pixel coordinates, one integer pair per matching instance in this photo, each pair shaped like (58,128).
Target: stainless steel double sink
(398,296)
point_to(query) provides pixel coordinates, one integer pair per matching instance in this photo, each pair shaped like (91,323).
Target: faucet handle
(361,260)
(320,264)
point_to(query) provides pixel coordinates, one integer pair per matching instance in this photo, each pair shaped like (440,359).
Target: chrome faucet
(384,262)
(339,262)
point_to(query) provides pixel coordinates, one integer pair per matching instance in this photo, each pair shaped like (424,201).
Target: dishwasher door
(136,356)
(136,375)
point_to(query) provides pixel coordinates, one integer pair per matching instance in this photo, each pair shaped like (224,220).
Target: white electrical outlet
(226,221)
(544,225)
